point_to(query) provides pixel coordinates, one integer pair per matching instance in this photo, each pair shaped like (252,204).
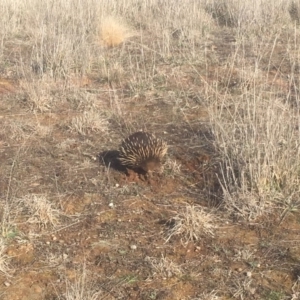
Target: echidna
(142,151)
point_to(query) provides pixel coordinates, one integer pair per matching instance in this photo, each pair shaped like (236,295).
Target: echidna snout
(153,164)
(142,150)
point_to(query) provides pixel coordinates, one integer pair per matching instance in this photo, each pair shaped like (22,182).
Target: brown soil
(112,222)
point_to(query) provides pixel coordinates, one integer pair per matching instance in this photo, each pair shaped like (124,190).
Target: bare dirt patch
(75,224)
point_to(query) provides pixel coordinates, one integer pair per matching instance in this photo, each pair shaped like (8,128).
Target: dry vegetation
(218,81)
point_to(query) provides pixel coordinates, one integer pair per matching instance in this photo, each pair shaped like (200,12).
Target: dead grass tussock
(192,224)
(66,144)
(5,268)
(243,288)
(296,289)
(224,13)
(114,31)
(39,93)
(81,288)
(40,210)
(88,122)
(164,267)
(251,16)
(209,296)
(259,146)
(247,204)
(20,128)
(244,254)
(173,167)
(17,130)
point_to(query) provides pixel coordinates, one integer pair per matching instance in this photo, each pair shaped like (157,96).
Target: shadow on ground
(110,159)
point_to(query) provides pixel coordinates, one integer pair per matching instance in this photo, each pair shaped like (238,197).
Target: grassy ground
(218,81)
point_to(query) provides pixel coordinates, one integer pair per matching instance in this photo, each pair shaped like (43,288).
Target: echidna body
(142,150)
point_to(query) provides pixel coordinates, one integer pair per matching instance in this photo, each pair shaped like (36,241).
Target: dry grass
(219,79)
(249,17)
(164,267)
(40,210)
(172,167)
(81,288)
(5,268)
(294,11)
(259,145)
(38,93)
(89,122)
(192,224)
(114,31)
(209,296)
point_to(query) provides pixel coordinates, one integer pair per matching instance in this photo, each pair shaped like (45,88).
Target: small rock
(249,274)
(133,247)
(48,243)
(111,205)
(6,283)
